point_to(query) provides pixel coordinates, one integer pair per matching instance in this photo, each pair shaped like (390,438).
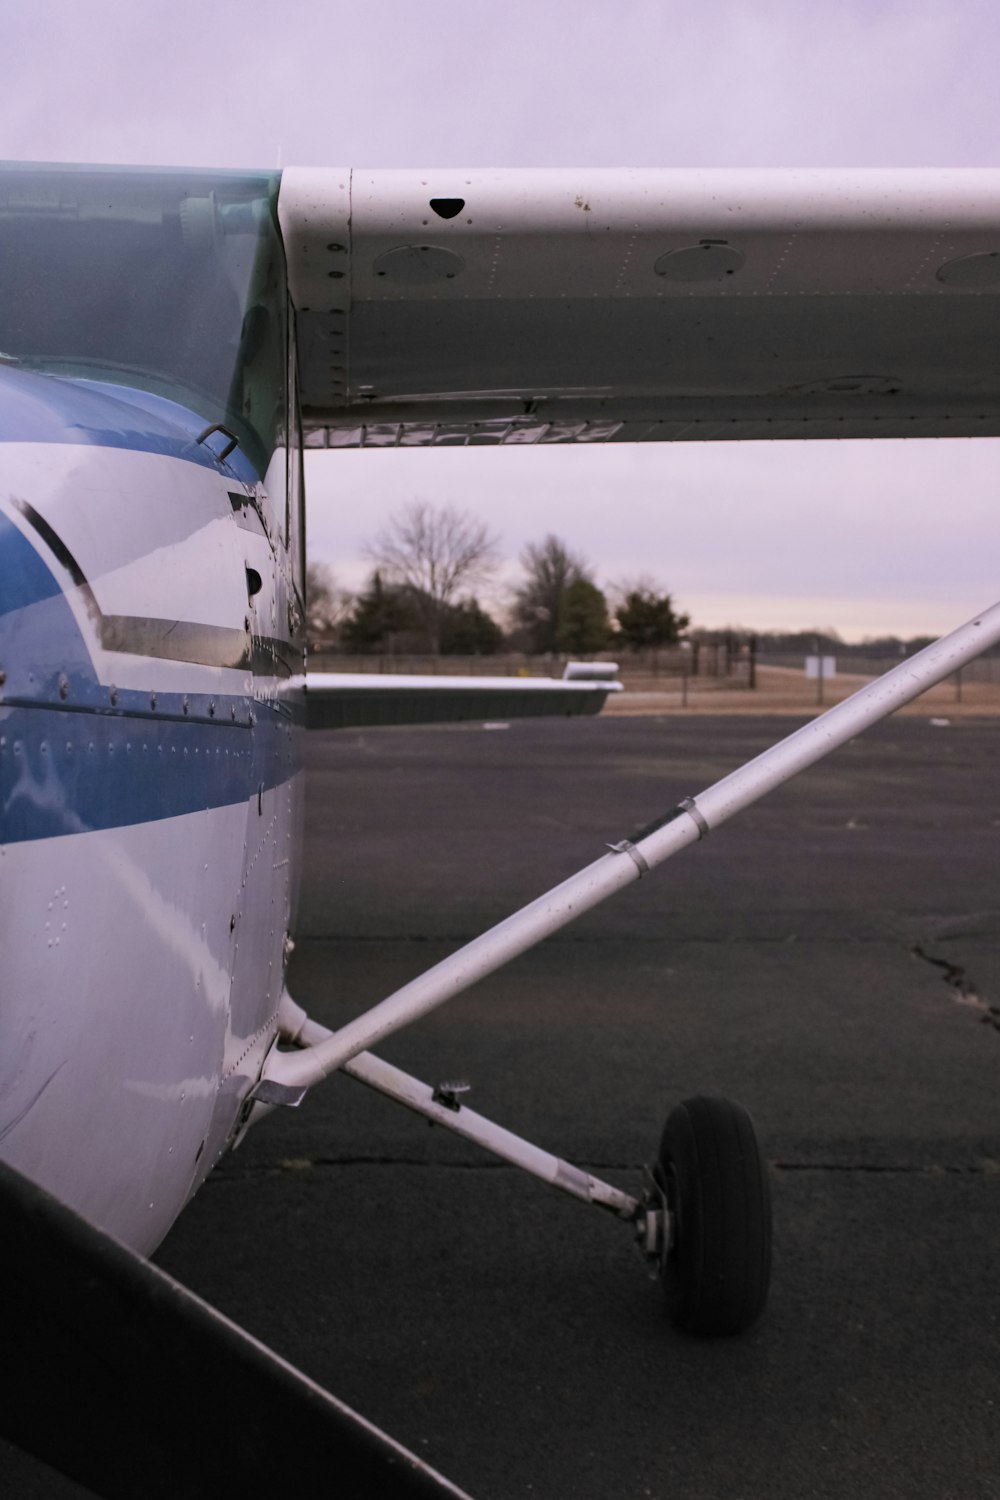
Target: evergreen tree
(467,630)
(646,618)
(583,625)
(379,614)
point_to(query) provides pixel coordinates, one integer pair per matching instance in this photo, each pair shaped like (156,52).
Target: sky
(863,537)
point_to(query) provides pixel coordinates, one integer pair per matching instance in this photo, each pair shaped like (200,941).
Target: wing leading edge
(467,307)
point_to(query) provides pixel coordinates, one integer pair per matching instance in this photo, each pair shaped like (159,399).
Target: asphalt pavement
(831,959)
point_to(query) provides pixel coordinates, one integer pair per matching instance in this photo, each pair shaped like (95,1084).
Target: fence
(851,664)
(720,665)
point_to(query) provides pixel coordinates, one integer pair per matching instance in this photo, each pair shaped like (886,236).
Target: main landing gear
(704,1221)
(711,1188)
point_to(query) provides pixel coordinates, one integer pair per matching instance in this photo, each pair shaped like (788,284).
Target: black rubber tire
(716,1274)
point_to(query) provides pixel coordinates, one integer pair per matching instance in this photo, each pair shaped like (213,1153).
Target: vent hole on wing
(254,582)
(447,208)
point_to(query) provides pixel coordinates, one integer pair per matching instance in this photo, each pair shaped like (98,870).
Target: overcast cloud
(863,536)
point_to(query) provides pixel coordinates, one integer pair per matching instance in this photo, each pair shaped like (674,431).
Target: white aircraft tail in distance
(170,342)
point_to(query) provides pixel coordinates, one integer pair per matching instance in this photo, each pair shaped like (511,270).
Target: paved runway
(831,959)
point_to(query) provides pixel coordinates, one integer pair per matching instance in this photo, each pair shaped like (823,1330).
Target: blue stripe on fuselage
(65,772)
(24,578)
(40,641)
(37,408)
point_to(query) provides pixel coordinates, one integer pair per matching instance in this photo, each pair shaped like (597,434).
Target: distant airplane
(170,341)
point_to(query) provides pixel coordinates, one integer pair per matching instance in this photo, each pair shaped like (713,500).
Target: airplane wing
(466,307)
(340,700)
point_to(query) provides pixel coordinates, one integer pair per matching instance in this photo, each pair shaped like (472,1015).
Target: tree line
(429,562)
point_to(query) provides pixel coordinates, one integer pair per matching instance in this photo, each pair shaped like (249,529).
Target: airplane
(171,342)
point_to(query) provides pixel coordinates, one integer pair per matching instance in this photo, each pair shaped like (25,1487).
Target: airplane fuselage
(149,631)
(149,794)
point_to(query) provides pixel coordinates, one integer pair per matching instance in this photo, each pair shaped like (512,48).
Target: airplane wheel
(716,1271)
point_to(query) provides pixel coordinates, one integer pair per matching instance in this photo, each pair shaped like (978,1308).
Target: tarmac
(831,959)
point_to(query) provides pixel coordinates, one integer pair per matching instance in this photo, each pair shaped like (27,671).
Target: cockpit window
(171,281)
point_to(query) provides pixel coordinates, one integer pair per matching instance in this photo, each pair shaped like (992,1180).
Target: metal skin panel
(257,957)
(167,548)
(149,800)
(116,1003)
(568,306)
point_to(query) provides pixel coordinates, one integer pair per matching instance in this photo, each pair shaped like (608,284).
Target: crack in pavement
(983,1167)
(963,990)
(303,1165)
(790,932)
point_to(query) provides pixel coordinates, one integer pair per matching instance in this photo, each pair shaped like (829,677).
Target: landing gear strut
(704,1221)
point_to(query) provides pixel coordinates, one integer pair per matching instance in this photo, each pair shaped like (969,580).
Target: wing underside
(467,307)
(342,700)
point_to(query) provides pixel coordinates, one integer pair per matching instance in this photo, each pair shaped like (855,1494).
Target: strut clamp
(689,805)
(626,846)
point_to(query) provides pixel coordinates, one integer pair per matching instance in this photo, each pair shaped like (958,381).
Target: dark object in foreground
(131,1385)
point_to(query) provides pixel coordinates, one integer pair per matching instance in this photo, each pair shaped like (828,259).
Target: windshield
(169,280)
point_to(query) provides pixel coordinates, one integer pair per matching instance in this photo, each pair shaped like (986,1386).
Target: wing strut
(287,1075)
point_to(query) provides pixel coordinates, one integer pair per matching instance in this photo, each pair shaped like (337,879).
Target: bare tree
(551,569)
(435,552)
(327,604)
(618,589)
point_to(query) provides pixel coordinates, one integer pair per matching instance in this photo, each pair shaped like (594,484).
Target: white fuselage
(148,767)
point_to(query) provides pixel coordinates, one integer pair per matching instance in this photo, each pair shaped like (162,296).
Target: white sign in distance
(821,666)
